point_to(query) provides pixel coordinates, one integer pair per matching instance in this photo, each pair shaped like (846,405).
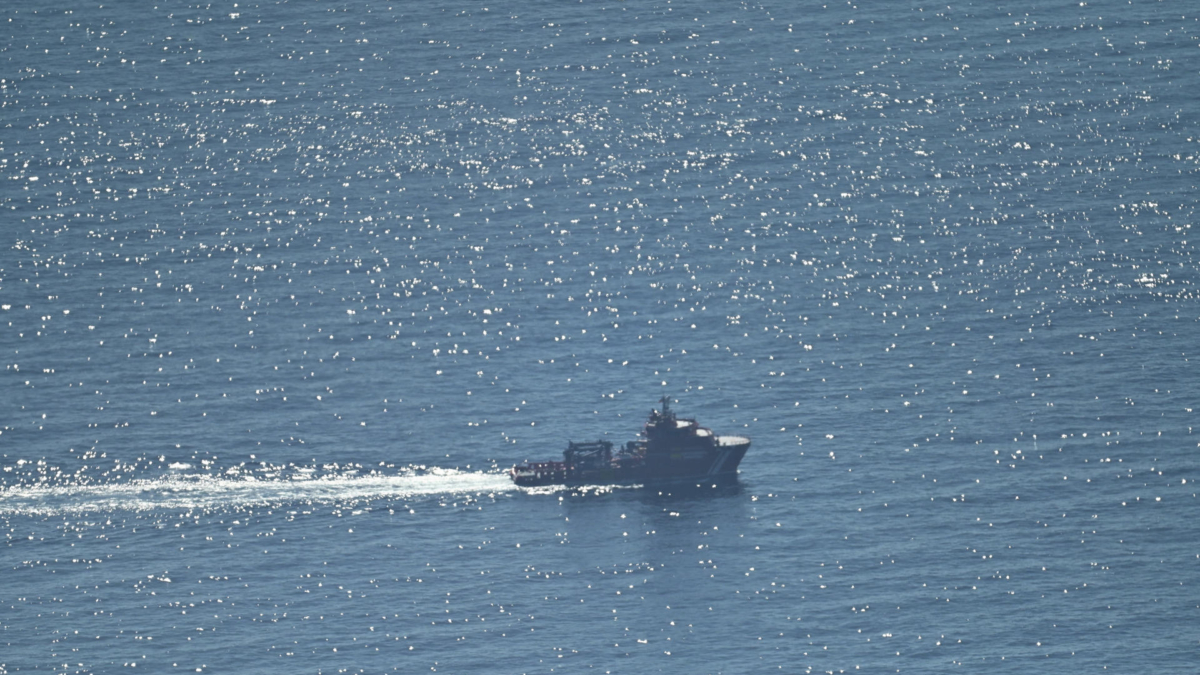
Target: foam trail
(208,492)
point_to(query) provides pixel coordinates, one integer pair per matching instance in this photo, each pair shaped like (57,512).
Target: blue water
(285,287)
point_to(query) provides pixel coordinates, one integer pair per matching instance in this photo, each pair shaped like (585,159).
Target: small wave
(175,492)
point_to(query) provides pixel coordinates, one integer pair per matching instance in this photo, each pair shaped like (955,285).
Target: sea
(286,288)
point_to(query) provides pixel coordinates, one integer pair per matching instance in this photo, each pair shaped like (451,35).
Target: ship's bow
(730,451)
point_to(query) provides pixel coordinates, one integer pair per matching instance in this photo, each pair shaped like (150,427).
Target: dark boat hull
(719,463)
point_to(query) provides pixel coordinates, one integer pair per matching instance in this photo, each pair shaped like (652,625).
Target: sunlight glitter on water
(278,255)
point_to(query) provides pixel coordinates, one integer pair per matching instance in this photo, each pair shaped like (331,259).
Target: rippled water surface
(285,287)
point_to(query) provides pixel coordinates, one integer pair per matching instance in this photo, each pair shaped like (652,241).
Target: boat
(669,449)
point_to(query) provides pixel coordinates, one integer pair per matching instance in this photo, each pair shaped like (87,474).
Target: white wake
(203,492)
